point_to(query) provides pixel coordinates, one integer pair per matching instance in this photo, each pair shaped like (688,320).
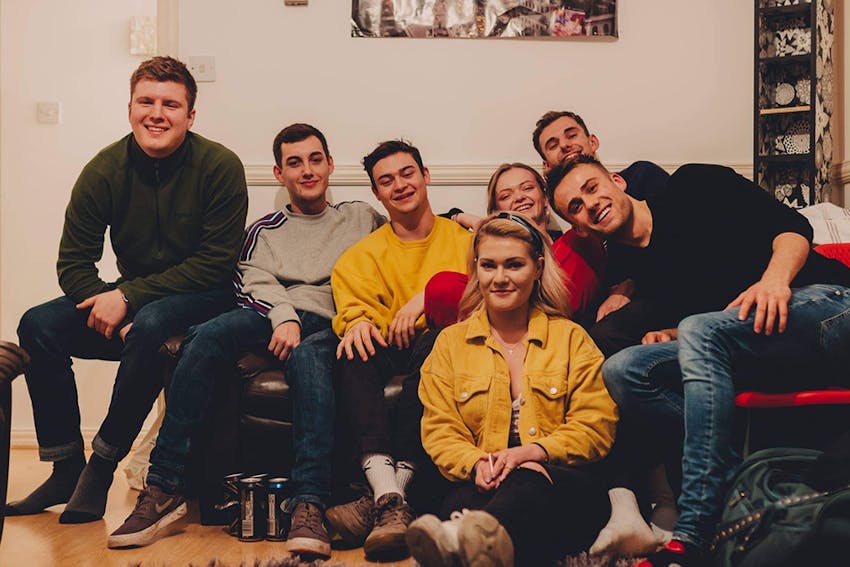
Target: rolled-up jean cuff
(106,451)
(60,452)
(685,538)
(290,503)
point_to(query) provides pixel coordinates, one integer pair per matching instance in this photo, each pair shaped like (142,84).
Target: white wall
(675,87)
(76,53)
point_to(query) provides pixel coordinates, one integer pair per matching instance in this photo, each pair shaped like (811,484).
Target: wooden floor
(41,541)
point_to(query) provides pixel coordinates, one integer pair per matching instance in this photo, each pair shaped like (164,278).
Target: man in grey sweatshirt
(283,288)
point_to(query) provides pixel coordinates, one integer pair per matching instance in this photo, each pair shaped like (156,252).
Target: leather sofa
(248,429)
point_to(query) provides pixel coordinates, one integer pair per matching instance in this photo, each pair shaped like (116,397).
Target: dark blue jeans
(210,352)
(55,331)
(717,354)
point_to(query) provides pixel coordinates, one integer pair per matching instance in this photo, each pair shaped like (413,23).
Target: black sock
(88,503)
(57,489)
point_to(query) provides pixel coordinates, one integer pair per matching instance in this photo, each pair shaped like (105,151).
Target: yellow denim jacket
(465,388)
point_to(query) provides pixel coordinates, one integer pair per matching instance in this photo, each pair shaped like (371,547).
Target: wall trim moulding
(453,175)
(840,173)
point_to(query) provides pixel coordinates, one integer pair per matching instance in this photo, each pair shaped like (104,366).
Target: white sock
(664,513)
(626,533)
(404,471)
(379,469)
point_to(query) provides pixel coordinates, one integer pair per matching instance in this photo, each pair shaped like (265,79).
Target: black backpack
(774,517)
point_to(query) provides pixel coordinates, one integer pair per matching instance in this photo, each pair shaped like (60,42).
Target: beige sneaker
(352,521)
(483,541)
(434,543)
(392,517)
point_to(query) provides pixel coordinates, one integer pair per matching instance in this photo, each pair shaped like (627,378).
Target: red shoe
(675,552)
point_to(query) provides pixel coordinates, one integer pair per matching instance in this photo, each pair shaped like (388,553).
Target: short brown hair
(547,119)
(387,149)
(296,133)
(164,68)
(559,171)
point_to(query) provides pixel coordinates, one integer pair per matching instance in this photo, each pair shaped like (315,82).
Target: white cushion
(830,222)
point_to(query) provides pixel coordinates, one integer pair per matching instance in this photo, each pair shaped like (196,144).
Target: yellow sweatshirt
(377,276)
(465,389)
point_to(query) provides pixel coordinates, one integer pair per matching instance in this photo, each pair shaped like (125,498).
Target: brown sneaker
(483,541)
(392,517)
(352,521)
(155,511)
(307,533)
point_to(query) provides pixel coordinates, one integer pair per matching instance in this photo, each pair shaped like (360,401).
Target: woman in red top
(520,188)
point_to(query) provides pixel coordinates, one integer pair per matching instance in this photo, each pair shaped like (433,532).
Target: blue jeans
(210,352)
(711,349)
(55,331)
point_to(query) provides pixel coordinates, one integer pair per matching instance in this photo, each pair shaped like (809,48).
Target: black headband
(536,242)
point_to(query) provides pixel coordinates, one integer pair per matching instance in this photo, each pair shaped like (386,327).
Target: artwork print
(474,19)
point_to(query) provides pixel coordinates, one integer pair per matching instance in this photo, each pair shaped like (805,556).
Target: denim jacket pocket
(471,395)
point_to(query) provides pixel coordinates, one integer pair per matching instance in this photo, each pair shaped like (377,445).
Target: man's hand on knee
(359,337)
(108,309)
(285,338)
(770,300)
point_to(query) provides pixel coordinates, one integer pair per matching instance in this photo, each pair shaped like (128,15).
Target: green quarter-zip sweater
(175,223)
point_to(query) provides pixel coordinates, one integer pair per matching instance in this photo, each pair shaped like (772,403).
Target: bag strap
(731,529)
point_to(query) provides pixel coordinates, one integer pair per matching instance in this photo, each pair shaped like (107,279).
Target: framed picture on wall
(476,19)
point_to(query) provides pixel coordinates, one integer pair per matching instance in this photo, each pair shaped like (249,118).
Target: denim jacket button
(532,431)
(553,390)
(464,394)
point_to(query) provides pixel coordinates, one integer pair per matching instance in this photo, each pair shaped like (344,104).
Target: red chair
(816,409)
(804,418)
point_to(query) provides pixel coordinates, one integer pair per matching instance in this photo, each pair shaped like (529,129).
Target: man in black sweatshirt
(752,299)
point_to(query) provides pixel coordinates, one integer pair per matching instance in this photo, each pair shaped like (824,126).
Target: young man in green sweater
(174,204)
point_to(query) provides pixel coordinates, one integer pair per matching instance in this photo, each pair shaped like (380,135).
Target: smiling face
(517,189)
(305,171)
(160,116)
(564,139)
(506,273)
(400,186)
(594,201)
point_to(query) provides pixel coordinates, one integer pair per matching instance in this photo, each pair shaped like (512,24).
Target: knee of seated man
(150,323)
(614,372)
(705,327)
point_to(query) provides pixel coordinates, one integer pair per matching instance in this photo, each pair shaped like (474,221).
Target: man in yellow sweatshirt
(378,288)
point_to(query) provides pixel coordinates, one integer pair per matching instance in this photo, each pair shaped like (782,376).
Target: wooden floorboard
(41,541)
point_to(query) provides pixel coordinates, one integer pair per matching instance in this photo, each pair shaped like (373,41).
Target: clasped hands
(361,337)
(493,468)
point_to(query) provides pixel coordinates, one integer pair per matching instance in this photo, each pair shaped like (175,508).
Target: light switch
(202,67)
(48,112)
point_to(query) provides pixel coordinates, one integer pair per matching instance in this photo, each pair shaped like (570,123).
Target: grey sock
(57,489)
(88,503)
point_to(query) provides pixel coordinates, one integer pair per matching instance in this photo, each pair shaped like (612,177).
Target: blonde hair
(549,293)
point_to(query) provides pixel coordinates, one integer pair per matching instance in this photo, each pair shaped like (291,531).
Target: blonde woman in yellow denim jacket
(515,413)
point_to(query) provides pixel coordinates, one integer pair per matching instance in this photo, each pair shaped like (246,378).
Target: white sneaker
(434,543)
